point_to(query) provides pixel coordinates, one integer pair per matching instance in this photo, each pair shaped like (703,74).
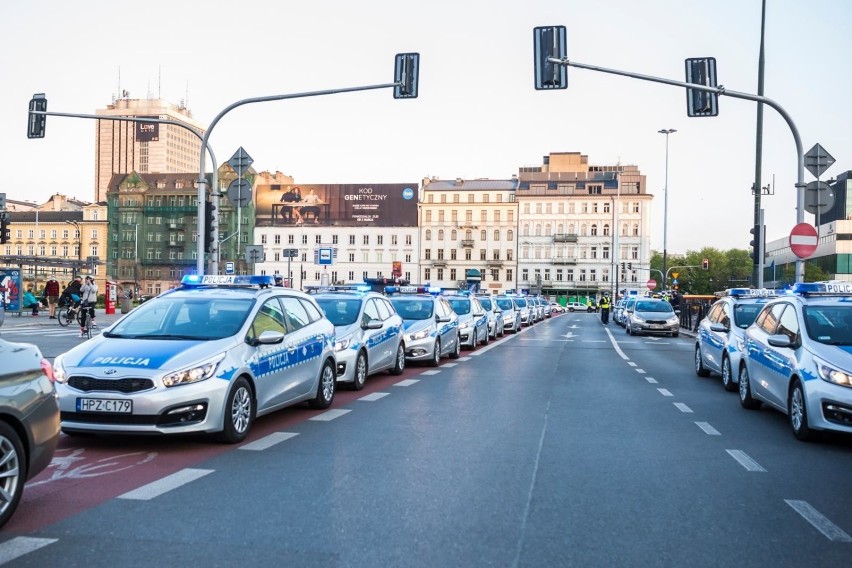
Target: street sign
(819,196)
(651,284)
(803,240)
(290,253)
(817,160)
(675,274)
(240,161)
(239,192)
(325,256)
(229,268)
(675,282)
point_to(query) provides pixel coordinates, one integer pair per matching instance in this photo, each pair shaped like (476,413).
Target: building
(567,219)
(468,234)
(122,147)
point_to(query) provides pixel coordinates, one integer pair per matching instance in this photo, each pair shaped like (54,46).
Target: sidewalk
(43,319)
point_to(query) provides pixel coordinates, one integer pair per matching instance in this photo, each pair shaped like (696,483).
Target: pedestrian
(88,299)
(604,305)
(30,301)
(51,290)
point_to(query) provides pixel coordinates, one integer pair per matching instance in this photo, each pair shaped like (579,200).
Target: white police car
(511,313)
(473,321)
(798,358)
(369,333)
(431,325)
(208,357)
(719,342)
(496,326)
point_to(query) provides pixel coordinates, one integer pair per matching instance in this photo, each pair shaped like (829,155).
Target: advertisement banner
(341,205)
(10,288)
(148,131)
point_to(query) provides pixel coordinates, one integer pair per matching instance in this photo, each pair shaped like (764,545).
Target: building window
(452,273)
(427,274)
(351,239)
(509,275)
(366,239)
(428,236)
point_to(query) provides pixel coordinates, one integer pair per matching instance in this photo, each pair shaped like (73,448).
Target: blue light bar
(389,290)
(750,293)
(831,287)
(338,288)
(242,280)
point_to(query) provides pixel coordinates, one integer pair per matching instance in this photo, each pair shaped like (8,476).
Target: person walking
(88,299)
(51,291)
(605,305)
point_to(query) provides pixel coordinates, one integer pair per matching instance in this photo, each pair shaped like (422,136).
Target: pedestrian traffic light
(209,208)
(36,123)
(705,264)
(405,74)
(5,232)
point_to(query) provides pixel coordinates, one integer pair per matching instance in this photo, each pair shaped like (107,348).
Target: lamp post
(79,243)
(666,131)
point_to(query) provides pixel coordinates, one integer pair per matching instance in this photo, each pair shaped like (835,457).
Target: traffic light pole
(800,160)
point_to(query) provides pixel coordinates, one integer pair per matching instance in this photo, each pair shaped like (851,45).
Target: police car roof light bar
(242,280)
(827,288)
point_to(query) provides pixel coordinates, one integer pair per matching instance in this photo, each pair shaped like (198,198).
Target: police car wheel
(436,354)
(325,388)
(239,413)
(727,375)
(700,369)
(360,376)
(745,391)
(487,337)
(456,353)
(798,413)
(14,470)
(399,363)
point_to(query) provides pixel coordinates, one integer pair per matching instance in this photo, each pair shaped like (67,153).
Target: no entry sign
(651,284)
(803,240)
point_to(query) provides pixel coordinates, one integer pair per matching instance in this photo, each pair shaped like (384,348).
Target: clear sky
(477,116)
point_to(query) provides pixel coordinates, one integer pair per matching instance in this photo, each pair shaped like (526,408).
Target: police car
(473,321)
(511,313)
(798,358)
(720,339)
(431,325)
(369,333)
(208,356)
(496,326)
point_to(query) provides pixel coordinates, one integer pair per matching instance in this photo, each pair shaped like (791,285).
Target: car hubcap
(241,410)
(797,409)
(726,372)
(697,359)
(9,473)
(400,358)
(327,383)
(743,384)
(361,370)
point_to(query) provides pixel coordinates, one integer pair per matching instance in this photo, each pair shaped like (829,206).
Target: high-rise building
(122,147)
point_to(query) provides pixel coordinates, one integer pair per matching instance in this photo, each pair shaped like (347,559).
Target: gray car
(652,316)
(496,327)
(29,420)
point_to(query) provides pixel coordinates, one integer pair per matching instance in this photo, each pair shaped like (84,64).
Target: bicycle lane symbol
(66,464)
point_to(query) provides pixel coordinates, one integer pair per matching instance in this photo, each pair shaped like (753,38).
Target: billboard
(10,288)
(147,131)
(340,205)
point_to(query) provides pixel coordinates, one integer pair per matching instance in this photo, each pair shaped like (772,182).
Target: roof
(459,184)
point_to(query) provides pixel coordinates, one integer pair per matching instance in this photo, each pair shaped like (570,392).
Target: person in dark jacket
(72,289)
(51,292)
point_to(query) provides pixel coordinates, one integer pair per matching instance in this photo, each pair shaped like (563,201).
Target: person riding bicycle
(88,299)
(605,305)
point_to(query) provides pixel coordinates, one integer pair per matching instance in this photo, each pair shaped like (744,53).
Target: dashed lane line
(268,441)
(665,392)
(330,415)
(683,407)
(374,396)
(651,380)
(432,372)
(821,523)
(406,383)
(745,461)
(166,484)
(708,429)
(18,546)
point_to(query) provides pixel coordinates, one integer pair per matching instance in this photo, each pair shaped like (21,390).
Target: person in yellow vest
(605,305)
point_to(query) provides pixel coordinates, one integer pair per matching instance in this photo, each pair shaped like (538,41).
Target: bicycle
(68,314)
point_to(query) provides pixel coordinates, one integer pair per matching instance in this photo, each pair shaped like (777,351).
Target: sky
(477,114)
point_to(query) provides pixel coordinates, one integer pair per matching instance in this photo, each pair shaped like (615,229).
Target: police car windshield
(831,324)
(413,308)
(460,306)
(183,317)
(504,303)
(486,303)
(521,302)
(340,311)
(745,314)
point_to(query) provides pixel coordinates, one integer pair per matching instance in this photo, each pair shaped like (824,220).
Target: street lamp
(79,243)
(666,131)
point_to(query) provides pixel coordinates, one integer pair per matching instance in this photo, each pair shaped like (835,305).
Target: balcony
(493,263)
(564,260)
(564,238)
(467,243)
(439,262)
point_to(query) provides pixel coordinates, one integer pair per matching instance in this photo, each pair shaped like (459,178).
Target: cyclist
(88,298)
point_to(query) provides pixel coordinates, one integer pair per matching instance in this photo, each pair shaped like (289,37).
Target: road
(569,444)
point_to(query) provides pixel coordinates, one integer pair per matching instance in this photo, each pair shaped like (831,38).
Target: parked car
(473,321)
(496,327)
(556,308)
(29,419)
(512,319)
(576,307)
(206,357)
(368,334)
(431,325)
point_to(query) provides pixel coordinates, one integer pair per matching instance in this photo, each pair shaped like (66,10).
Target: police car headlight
(193,374)
(464,325)
(59,374)
(832,374)
(421,334)
(341,344)
(740,342)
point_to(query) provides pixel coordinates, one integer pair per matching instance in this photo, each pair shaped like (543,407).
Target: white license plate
(656,326)
(105,405)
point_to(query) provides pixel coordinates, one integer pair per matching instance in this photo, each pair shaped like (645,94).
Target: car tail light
(47,369)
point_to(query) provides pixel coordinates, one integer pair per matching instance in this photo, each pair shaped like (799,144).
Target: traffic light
(705,264)
(405,74)
(209,208)
(5,232)
(754,253)
(550,42)
(701,71)
(36,123)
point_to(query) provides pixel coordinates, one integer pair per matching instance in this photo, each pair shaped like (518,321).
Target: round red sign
(803,240)
(651,284)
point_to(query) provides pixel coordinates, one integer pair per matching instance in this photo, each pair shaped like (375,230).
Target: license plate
(656,326)
(117,406)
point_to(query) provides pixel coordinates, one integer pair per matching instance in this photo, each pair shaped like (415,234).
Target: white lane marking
(268,441)
(615,345)
(464,358)
(374,396)
(330,415)
(18,546)
(821,523)
(651,380)
(642,371)
(594,341)
(406,383)
(632,364)
(544,339)
(432,372)
(682,407)
(446,365)
(709,430)
(166,484)
(665,392)
(745,461)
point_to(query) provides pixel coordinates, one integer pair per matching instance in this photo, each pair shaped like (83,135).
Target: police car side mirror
(372,324)
(442,319)
(268,337)
(780,340)
(719,328)
(479,314)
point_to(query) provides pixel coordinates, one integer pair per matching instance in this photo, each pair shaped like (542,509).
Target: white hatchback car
(206,357)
